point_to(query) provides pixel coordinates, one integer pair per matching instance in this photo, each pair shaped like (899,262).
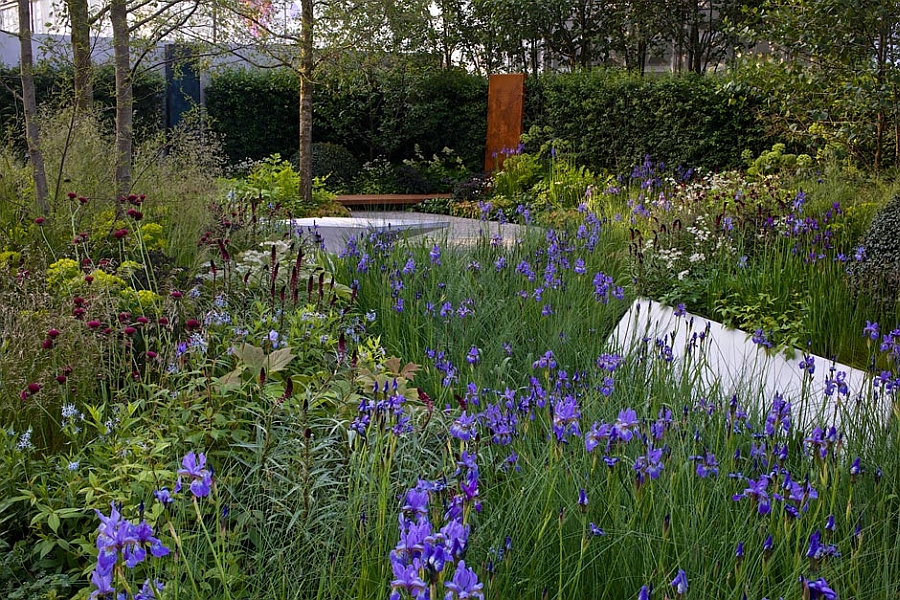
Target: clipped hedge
(614,118)
(381,113)
(53,86)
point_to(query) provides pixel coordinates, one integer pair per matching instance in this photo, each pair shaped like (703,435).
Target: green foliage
(53,88)
(275,181)
(776,161)
(878,273)
(385,111)
(334,164)
(614,119)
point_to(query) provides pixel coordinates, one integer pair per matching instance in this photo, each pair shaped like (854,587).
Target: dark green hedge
(614,118)
(381,113)
(53,86)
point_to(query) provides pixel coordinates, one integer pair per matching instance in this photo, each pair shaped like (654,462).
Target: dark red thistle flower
(120,233)
(124,317)
(34,388)
(176,294)
(192,324)
(132,197)
(151,354)
(108,330)
(129,331)
(72,195)
(77,300)
(89,279)
(163,321)
(82,200)
(78,312)
(47,344)
(61,379)
(94,324)
(39,221)
(142,320)
(135,214)
(53,333)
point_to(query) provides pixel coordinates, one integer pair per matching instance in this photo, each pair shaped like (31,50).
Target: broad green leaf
(278,360)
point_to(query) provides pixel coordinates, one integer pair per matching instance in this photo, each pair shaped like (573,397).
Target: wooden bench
(386,199)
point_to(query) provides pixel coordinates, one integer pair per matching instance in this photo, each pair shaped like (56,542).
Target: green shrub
(615,118)
(53,88)
(877,272)
(334,162)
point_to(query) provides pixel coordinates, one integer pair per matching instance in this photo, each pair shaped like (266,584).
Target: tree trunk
(81,54)
(32,129)
(306,108)
(118,16)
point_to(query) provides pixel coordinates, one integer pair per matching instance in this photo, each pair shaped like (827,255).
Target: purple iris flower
(598,433)
(146,592)
(406,577)
(871,331)
(565,418)
(102,576)
(808,364)
(680,583)
(464,427)
(706,465)
(163,496)
(818,589)
(194,466)
(649,464)
(114,532)
(779,416)
(582,499)
(474,356)
(627,420)
(416,504)
(465,584)
(758,491)
(645,592)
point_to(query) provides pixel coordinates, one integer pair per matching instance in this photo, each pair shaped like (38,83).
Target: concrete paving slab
(833,394)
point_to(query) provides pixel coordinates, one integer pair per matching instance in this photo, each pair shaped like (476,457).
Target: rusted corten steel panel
(505,106)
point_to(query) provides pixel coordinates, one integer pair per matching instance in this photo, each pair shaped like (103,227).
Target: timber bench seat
(386,199)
